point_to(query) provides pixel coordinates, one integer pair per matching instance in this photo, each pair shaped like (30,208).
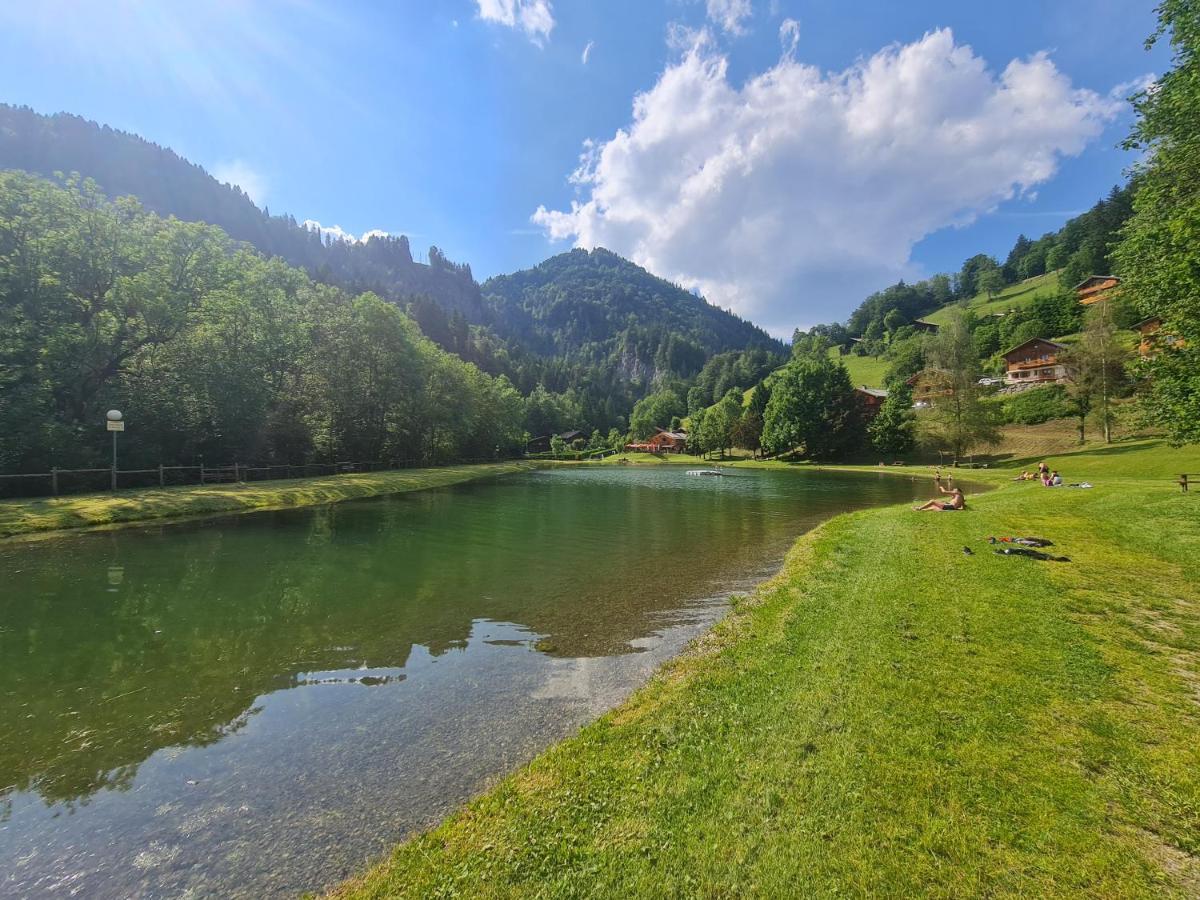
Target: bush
(1037,405)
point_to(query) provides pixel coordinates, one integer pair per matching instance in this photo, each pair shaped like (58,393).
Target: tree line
(210,350)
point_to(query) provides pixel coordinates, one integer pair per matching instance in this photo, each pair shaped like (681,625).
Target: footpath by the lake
(901,711)
(54,514)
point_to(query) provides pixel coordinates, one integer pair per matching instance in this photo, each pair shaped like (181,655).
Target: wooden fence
(78,481)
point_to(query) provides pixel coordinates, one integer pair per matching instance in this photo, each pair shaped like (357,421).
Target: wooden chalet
(1095,288)
(925,327)
(871,399)
(929,384)
(1153,341)
(662,441)
(541,444)
(1037,361)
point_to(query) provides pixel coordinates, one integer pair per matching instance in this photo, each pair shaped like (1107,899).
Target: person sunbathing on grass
(957,501)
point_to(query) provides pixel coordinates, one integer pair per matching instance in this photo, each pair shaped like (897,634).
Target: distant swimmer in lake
(957,501)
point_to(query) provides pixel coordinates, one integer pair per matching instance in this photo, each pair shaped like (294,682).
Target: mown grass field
(22,517)
(892,717)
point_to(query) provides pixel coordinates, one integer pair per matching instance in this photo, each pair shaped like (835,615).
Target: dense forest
(124,164)
(210,349)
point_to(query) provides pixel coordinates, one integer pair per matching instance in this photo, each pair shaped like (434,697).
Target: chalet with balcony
(1095,288)
(1037,361)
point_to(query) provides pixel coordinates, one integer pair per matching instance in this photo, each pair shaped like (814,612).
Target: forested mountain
(125,164)
(602,308)
(594,331)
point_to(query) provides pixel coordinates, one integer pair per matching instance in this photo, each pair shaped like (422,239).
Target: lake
(260,705)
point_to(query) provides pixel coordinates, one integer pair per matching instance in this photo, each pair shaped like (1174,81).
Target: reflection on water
(258,705)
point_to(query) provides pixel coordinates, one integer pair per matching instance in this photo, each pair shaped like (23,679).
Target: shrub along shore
(44,515)
(891,715)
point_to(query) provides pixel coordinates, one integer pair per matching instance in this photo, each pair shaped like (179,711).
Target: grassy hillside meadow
(891,716)
(1015,296)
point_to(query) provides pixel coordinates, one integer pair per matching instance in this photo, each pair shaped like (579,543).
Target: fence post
(202,473)
(161,480)
(237,473)
(54,481)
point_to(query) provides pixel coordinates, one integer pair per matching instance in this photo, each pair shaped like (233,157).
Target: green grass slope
(1015,296)
(892,717)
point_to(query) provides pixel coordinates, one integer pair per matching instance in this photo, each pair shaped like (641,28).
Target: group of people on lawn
(1047,477)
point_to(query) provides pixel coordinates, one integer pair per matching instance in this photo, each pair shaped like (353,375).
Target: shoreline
(49,517)
(821,706)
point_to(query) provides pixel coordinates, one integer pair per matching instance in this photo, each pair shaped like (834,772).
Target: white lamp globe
(114,415)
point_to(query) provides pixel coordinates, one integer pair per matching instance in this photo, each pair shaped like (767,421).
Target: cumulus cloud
(793,195)
(729,14)
(339,234)
(534,17)
(587,52)
(243,175)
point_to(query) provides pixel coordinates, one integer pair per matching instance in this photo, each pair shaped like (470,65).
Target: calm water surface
(260,705)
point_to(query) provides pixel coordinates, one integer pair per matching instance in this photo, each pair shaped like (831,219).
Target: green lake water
(260,705)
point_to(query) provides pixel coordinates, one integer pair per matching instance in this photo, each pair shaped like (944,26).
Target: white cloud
(240,173)
(339,234)
(1127,89)
(791,197)
(729,14)
(789,36)
(587,52)
(534,17)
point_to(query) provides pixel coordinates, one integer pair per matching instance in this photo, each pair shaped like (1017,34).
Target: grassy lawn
(1015,296)
(890,716)
(21,517)
(864,370)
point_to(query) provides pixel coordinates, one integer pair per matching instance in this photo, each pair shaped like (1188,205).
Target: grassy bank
(890,716)
(23,517)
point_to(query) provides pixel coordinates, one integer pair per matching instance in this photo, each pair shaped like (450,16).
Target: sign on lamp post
(115,423)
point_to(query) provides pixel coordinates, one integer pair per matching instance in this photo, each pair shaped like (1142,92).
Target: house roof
(932,370)
(921,323)
(1092,278)
(874,392)
(572,435)
(1147,321)
(677,435)
(1033,341)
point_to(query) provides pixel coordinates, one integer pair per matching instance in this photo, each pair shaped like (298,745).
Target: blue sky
(836,146)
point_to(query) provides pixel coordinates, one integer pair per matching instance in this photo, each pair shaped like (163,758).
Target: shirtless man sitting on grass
(956,501)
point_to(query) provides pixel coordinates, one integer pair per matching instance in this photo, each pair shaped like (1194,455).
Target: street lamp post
(115,424)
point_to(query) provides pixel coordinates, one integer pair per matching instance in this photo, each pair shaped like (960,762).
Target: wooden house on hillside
(1095,288)
(929,384)
(871,399)
(1037,361)
(1153,340)
(924,327)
